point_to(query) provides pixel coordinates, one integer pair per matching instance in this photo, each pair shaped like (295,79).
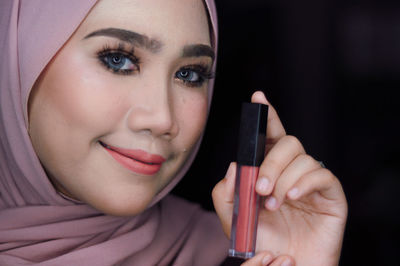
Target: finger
(280,156)
(321,180)
(230,183)
(222,196)
(275,129)
(299,167)
(260,259)
(283,260)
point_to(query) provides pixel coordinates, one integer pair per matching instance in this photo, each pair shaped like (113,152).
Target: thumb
(222,195)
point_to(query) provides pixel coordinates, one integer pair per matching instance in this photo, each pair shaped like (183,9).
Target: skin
(305,209)
(77,102)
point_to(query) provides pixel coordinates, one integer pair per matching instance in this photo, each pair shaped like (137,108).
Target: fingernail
(266,259)
(271,203)
(293,193)
(262,184)
(287,262)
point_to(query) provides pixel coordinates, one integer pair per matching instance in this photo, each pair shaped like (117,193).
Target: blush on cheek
(83,96)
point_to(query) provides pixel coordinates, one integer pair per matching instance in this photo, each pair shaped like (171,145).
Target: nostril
(153,112)
(158,123)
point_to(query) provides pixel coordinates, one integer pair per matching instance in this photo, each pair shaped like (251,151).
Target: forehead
(174,22)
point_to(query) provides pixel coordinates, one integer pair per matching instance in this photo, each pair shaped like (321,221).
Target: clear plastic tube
(245,213)
(251,151)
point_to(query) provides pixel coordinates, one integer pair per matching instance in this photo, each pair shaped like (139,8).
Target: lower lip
(133,165)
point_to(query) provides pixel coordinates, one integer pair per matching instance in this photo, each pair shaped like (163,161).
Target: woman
(103,104)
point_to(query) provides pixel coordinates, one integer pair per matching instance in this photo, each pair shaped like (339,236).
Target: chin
(122,204)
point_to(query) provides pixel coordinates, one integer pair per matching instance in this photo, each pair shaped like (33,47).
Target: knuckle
(328,175)
(293,141)
(216,189)
(213,192)
(272,169)
(308,160)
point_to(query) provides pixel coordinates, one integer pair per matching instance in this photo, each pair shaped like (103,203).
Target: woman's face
(117,111)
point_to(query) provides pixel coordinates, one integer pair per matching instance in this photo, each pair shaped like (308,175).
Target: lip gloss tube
(250,154)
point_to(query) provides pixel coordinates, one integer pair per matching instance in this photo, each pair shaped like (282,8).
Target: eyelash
(201,70)
(105,54)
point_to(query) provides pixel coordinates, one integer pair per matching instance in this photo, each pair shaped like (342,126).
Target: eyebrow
(193,50)
(129,36)
(197,50)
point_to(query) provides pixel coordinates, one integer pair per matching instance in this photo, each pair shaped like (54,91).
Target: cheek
(80,93)
(192,117)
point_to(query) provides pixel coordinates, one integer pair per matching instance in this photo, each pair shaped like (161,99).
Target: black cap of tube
(252,134)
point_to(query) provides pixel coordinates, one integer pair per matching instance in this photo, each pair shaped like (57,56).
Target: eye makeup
(119,60)
(250,155)
(194,75)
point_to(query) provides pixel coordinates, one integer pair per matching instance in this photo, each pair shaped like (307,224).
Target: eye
(188,75)
(119,62)
(194,75)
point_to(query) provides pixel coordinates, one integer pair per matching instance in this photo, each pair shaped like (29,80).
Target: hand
(266,258)
(305,209)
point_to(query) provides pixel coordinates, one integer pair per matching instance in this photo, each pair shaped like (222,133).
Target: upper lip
(137,154)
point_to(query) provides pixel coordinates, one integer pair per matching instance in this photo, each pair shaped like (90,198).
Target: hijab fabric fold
(38,225)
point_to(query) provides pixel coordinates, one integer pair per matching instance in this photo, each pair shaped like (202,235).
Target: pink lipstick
(138,161)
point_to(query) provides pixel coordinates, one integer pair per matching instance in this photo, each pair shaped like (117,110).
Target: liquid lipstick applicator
(250,155)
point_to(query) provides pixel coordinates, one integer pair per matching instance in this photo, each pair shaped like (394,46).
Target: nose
(152,111)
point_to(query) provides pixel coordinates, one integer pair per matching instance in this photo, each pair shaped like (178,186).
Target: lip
(138,161)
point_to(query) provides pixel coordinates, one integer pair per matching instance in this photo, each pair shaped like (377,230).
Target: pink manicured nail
(266,259)
(287,262)
(271,203)
(262,184)
(293,193)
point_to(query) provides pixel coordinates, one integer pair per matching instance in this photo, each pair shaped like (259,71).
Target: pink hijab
(38,226)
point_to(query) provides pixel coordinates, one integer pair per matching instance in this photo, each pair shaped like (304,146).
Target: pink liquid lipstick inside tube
(251,152)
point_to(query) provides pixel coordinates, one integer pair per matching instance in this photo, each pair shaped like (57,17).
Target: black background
(331,68)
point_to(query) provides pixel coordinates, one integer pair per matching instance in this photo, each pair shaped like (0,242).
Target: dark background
(331,68)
